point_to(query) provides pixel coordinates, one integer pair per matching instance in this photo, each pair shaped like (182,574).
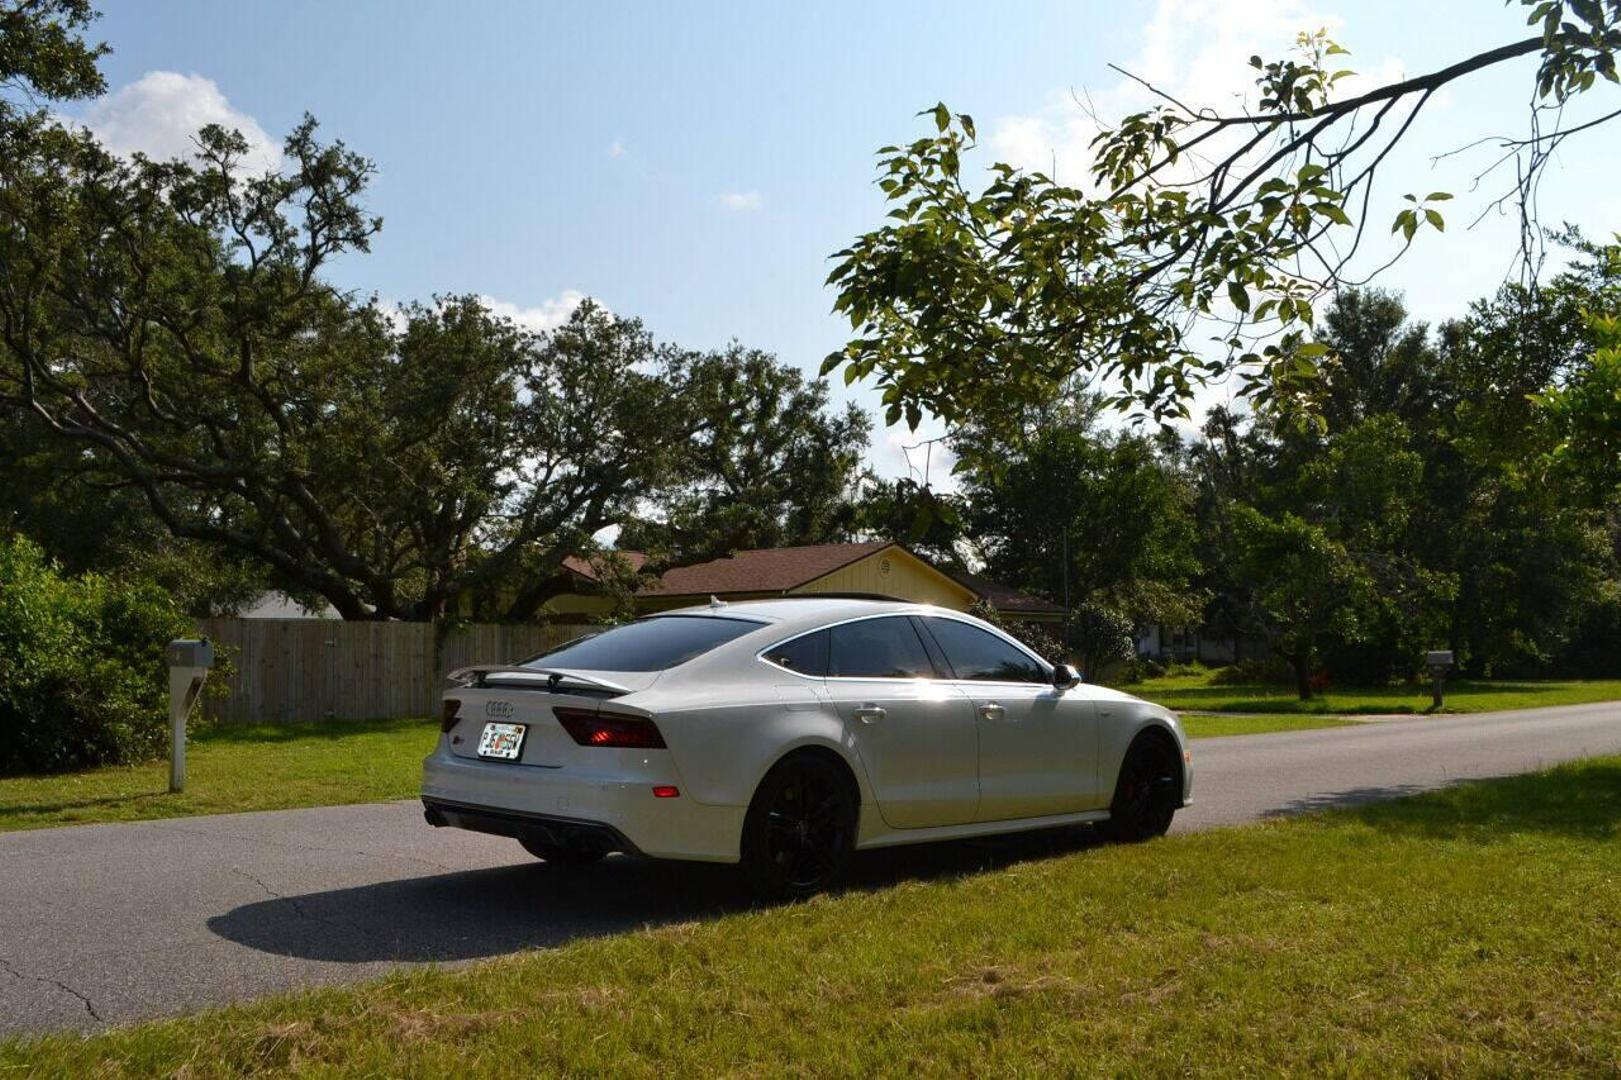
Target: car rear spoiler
(545,678)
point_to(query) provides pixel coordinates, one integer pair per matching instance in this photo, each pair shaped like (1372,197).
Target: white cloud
(160,113)
(920,455)
(547,315)
(616,149)
(742,201)
(1194,50)
(393,313)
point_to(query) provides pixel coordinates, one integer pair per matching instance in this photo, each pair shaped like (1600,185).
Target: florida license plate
(501,741)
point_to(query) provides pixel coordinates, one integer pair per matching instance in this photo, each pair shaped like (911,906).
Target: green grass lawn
(1462,696)
(1211,726)
(232,769)
(1472,930)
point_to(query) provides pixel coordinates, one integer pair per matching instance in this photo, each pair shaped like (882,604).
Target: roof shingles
(760,570)
(777,570)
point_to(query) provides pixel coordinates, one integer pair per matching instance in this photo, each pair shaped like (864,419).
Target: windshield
(645,645)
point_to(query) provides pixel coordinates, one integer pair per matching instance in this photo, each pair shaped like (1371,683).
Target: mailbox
(191,653)
(1439,661)
(189,661)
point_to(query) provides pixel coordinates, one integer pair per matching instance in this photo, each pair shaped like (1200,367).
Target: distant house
(278,605)
(875,568)
(1009,602)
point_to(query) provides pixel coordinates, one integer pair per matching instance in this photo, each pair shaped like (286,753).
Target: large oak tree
(175,322)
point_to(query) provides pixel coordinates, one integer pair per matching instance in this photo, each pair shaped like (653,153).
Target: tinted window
(878,648)
(982,656)
(806,655)
(645,645)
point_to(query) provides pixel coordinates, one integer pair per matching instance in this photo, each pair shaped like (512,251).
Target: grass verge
(1471,930)
(233,769)
(1213,726)
(1462,696)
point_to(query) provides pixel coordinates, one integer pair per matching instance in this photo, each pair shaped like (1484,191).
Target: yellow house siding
(894,572)
(655,602)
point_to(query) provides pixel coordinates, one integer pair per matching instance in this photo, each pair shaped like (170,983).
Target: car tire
(1147,792)
(800,829)
(559,855)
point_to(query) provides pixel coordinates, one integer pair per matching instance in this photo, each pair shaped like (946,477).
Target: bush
(81,665)
(1250,672)
(1135,669)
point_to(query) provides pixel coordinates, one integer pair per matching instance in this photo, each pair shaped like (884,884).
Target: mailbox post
(1439,661)
(189,661)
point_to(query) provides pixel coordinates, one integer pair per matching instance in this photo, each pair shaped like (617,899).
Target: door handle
(869,714)
(992,711)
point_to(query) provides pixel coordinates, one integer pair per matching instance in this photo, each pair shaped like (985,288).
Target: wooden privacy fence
(301,670)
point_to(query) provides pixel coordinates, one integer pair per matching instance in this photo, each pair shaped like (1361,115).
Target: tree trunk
(1301,662)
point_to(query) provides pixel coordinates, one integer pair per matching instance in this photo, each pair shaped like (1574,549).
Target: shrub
(1250,672)
(81,665)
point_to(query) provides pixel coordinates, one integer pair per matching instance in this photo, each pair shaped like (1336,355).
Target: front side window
(980,656)
(878,649)
(645,645)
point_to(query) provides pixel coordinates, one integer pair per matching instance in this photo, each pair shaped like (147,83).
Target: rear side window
(645,645)
(878,649)
(807,655)
(980,656)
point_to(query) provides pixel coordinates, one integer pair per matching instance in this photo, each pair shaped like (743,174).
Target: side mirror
(1064,677)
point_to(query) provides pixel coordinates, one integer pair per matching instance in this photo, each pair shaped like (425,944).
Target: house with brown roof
(874,568)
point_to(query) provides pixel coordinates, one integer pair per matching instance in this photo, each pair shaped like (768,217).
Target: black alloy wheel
(800,829)
(1147,794)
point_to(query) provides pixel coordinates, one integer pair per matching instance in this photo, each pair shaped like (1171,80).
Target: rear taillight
(609,729)
(448,717)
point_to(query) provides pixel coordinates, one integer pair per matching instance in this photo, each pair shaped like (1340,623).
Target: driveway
(106,924)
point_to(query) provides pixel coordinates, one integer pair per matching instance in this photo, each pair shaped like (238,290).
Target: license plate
(502,741)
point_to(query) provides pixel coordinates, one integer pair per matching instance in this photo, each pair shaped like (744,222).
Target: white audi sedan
(783,734)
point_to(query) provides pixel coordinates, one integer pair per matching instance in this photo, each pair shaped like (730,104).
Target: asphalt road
(106,924)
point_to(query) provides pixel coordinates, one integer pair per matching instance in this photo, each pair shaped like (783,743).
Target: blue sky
(695,165)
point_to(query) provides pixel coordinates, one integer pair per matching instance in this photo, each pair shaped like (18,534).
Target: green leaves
(1407,221)
(43,55)
(1580,39)
(1585,413)
(971,300)
(1238,295)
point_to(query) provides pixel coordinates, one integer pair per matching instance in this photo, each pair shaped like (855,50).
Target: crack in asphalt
(297,904)
(302,912)
(89,1006)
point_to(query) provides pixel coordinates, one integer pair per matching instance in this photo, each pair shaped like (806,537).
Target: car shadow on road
(482,913)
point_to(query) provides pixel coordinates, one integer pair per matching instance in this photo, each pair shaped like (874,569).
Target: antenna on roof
(715,602)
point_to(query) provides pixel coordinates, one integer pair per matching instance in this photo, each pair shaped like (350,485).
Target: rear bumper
(564,832)
(608,810)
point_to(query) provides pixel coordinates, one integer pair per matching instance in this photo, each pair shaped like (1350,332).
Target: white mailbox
(189,661)
(1439,661)
(191,653)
